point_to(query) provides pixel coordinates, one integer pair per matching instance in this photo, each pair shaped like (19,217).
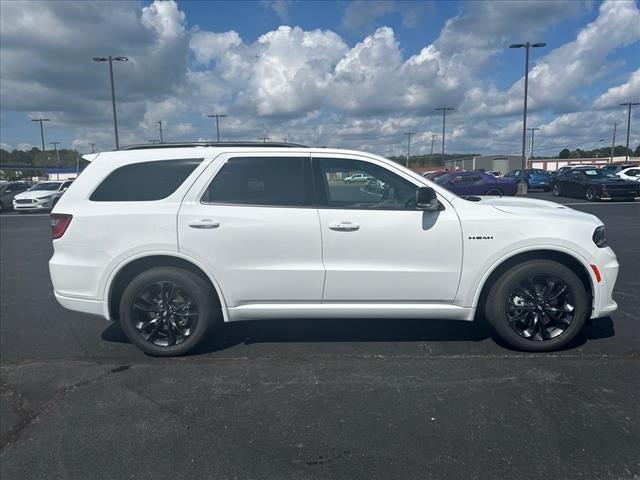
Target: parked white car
(356,178)
(631,173)
(171,241)
(41,197)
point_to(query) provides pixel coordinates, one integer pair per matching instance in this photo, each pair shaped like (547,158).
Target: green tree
(637,152)
(564,153)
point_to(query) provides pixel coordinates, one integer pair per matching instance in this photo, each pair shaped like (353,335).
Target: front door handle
(204,224)
(344,226)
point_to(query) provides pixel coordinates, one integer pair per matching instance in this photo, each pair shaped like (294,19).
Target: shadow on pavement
(359,330)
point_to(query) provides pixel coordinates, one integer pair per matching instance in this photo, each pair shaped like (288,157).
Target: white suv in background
(41,197)
(170,240)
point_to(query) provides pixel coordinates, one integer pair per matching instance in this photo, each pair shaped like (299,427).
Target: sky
(355,74)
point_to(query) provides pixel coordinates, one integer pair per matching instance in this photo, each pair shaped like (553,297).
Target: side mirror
(426,199)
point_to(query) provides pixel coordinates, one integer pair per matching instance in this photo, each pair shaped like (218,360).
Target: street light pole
(160,124)
(613,142)
(526,46)
(44,154)
(444,117)
(93,147)
(408,134)
(433,139)
(111,59)
(55,146)
(533,131)
(629,105)
(217,117)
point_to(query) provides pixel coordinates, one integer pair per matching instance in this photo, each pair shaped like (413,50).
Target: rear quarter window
(145,181)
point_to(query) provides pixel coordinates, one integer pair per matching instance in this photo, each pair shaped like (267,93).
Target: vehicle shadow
(329,330)
(359,330)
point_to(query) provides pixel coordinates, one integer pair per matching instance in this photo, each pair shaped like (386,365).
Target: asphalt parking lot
(310,399)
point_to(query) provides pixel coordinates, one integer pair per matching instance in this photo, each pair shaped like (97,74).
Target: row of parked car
(24,197)
(586,181)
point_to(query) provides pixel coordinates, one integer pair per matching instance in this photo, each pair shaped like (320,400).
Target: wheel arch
(575,264)
(128,270)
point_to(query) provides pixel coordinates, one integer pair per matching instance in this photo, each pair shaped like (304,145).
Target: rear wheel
(537,306)
(590,194)
(167,311)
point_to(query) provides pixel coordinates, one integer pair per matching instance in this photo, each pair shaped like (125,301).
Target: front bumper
(608,266)
(38,205)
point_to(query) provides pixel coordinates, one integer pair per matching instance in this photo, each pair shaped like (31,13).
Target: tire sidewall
(199,290)
(496,304)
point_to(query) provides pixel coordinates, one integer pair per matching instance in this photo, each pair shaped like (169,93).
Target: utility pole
(444,117)
(93,147)
(77,163)
(433,139)
(44,154)
(613,142)
(533,131)
(111,59)
(526,46)
(629,105)
(160,124)
(55,146)
(217,117)
(408,134)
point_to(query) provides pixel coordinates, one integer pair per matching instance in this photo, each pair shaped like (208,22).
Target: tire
(146,288)
(494,191)
(557,190)
(572,306)
(590,194)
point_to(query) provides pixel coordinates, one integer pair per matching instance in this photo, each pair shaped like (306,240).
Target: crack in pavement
(27,415)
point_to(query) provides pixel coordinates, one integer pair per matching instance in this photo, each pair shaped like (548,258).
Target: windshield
(596,173)
(50,186)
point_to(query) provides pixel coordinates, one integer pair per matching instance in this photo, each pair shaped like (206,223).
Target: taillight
(59,224)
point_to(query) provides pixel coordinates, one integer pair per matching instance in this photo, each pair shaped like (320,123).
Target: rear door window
(262,181)
(144,181)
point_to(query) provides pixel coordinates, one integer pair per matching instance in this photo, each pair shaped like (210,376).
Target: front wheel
(590,194)
(494,192)
(537,306)
(167,311)
(557,191)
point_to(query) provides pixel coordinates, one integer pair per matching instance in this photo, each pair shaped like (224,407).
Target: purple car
(477,183)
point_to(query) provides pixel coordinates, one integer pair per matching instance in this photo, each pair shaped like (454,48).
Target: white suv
(172,240)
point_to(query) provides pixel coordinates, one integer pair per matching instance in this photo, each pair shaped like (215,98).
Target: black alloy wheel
(541,307)
(537,305)
(164,314)
(557,191)
(590,194)
(167,311)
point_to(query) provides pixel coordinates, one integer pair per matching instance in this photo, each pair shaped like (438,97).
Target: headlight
(599,237)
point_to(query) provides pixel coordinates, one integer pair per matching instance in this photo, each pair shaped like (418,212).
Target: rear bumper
(94,307)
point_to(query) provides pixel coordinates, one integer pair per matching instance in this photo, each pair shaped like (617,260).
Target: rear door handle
(204,224)
(344,226)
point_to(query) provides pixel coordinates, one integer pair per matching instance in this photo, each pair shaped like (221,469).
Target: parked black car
(593,184)
(8,191)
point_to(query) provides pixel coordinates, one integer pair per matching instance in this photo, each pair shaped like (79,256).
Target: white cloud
(627,92)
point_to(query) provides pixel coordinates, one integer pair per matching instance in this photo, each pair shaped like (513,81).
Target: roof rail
(148,146)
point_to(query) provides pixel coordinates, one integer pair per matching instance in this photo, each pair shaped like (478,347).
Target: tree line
(618,151)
